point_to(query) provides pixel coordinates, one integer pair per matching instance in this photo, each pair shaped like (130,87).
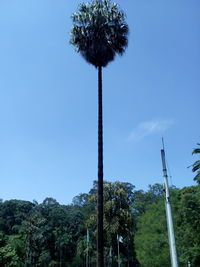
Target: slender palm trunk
(100,239)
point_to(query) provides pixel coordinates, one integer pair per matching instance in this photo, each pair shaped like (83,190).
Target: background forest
(50,234)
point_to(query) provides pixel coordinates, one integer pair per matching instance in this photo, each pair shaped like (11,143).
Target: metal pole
(118,251)
(87,255)
(172,243)
(87,262)
(60,254)
(110,257)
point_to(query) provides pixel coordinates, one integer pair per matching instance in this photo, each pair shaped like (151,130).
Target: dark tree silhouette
(99,32)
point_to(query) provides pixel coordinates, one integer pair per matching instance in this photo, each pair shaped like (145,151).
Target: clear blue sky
(48,99)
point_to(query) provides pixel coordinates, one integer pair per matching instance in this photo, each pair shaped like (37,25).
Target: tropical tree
(196,165)
(151,237)
(119,221)
(188,226)
(99,32)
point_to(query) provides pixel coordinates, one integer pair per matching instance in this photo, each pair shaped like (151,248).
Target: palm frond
(196,166)
(196,150)
(197,177)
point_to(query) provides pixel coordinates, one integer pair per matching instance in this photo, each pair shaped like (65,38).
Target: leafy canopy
(99,32)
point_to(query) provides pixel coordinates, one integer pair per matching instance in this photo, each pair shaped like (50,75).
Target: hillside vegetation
(50,234)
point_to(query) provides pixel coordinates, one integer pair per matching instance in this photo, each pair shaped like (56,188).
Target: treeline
(50,234)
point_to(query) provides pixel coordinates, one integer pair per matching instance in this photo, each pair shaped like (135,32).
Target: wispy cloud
(149,127)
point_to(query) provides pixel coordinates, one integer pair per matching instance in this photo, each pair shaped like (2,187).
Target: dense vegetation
(50,234)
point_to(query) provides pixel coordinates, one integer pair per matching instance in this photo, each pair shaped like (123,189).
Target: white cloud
(149,127)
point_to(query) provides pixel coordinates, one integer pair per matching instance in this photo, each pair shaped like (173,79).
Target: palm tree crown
(99,32)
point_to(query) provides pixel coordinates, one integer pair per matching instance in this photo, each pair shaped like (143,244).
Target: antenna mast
(170,227)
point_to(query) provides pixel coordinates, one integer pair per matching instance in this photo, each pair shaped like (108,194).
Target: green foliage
(151,238)
(12,213)
(118,219)
(8,257)
(143,199)
(33,232)
(50,234)
(188,225)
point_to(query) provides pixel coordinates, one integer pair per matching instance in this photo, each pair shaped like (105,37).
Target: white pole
(87,255)
(172,243)
(110,256)
(87,258)
(118,250)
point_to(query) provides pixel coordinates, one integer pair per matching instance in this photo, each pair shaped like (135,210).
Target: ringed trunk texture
(100,238)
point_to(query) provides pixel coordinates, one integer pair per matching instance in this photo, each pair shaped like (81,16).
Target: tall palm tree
(99,32)
(196,165)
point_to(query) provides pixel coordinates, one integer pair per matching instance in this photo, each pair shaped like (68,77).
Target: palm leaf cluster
(196,165)
(99,32)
